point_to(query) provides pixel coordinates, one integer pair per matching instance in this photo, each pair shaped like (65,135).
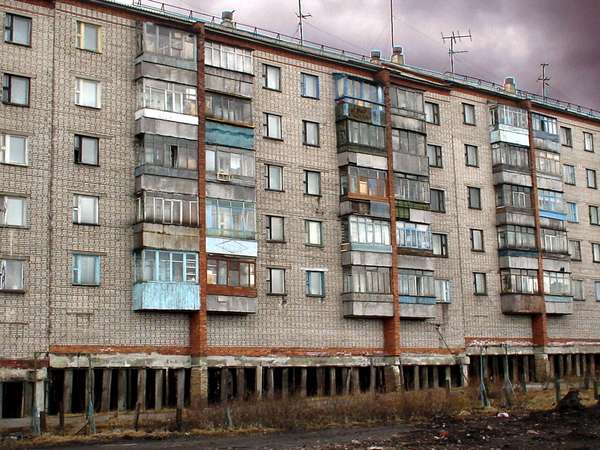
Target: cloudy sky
(510,37)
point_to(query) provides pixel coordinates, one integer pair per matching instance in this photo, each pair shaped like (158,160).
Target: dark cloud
(510,37)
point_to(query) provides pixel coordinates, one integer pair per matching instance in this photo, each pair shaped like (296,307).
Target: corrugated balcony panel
(358,258)
(510,177)
(227,304)
(145,69)
(557,305)
(349,156)
(522,304)
(166,60)
(558,264)
(549,182)
(553,223)
(146,182)
(379,210)
(228,82)
(420,308)
(413,164)
(508,216)
(161,171)
(408,123)
(165,237)
(545,141)
(517,259)
(416,262)
(509,134)
(167,116)
(163,296)
(231,246)
(230,191)
(149,125)
(229,135)
(363,305)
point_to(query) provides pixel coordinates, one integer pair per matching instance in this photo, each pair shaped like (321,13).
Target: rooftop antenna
(300,17)
(392,21)
(544,79)
(454,38)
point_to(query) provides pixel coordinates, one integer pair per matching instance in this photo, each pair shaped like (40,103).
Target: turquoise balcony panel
(165,296)
(229,135)
(412,299)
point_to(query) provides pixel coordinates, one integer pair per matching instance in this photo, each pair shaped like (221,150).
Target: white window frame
(5,201)
(81,41)
(272,127)
(443,290)
(313,232)
(4,262)
(77,209)
(269,227)
(76,275)
(468,108)
(309,188)
(79,83)
(272,77)
(6,152)
(9,35)
(303,85)
(588,141)
(270,272)
(315,138)
(321,283)
(271,175)
(482,276)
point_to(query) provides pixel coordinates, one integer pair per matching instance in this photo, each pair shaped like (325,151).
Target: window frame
(269,281)
(229,264)
(483,275)
(4,261)
(587,135)
(572,171)
(78,150)
(592,172)
(24,210)
(595,246)
(466,106)
(5,149)
(266,78)
(77,209)
(576,209)
(468,162)
(80,36)
(597,210)
(78,89)
(597,290)
(268,168)
(269,229)
(578,242)
(308,275)
(303,76)
(307,233)
(10,29)
(266,127)
(441,194)
(472,233)
(305,124)
(7,79)
(581,283)
(443,241)
(435,111)
(307,183)
(568,135)
(438,156)
(470,197)
(97,270)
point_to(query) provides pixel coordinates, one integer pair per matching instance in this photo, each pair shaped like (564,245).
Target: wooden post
(180,380)
(106,383)
(332,381)
(320,381)
(159,376)
(67,390)
(258,387)
(285,382)
(241,383)
(122,389)
(303,377)
(141,388)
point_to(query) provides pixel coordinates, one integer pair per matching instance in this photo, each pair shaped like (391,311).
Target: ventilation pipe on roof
(397,55)
(227,19)
(375,56)
(510,85)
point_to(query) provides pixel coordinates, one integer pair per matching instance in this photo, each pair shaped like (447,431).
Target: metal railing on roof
(191,15)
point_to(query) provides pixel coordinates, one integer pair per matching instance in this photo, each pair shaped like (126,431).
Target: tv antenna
(392,21)
(544,79)
(300,18)
(454,38)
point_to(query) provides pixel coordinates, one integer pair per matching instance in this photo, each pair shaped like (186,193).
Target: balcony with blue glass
(166,281)
(552,205)
(414,239)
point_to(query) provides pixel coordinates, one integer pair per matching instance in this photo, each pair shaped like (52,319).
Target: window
(230,218)
(221,107)
(512,156)
(590,175)
(363,181)
(434,153)
(471,156)
(272,126)
(12,211)
(516,237)
(275,229)
(551,201)
(443,291)
(544,124)
(272,77)
(17,29)
(181,99)
(509,115)
(468,114)
(13,149)
(438,201)
(88,37)
(594,216)
(228,163)
(565,137)
(513,195)
(275,281)
(518,281)
(86,269)
(407,103)
(15,90)
(597,290)
(312,182)
(12,275)
(414,188)
(413,235)
(569,174)
(315,283)
(440,244)
(310,133)
(87,93)
(479,283)
(309,85)
(408,142)
(572,215)
(588,142)
(577,290)
(156,207)
(179,44)
(274,176)
(575,250)
(366,279)
(595,252)
(474,197)
(416,283)
(477,240)
(359,90)
(85,209)
(360,133)
(166,266)
(313,234)
(230,272)
(557,283)
(432,113)
(548,162)
(226,57)
(364,230)
(86,150)
(554,241)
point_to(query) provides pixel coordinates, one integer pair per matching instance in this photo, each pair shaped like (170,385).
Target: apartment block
(194,210)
